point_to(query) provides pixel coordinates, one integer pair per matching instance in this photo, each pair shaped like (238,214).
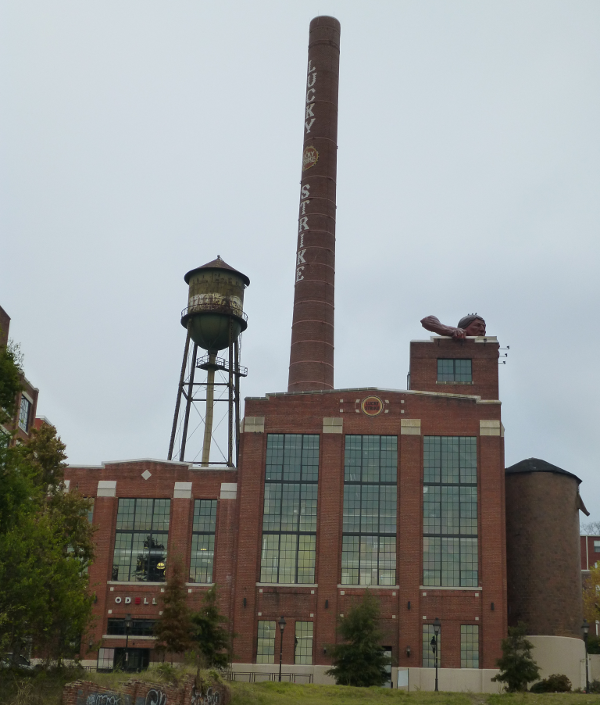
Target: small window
(430,646)
(265,650)
(203,540)
(454,371)
(24,413)
(304,643)
(469,646)
(106,658)
(596,546)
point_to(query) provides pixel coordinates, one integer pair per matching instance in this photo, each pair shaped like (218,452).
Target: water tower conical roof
(217,264)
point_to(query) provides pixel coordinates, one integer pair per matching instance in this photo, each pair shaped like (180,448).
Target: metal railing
(214,307)
(261,677)
(220,363)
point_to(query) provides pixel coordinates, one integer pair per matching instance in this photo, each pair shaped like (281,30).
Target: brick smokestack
(311,355)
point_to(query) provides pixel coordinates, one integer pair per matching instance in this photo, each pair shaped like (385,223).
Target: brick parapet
(484,356)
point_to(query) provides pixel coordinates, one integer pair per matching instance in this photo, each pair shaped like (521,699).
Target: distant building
(27,400)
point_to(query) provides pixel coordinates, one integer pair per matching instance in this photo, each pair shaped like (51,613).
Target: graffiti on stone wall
(107,699)
(211,697)
(156,697)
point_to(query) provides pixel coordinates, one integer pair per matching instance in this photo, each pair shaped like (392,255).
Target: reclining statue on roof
(472,324)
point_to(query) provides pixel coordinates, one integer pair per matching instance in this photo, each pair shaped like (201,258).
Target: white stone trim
(439,587)
(182,490)
(333,424)
(490,428)
(410,427)
(228,490)
(294,585)
(369,587)
(132,637)
(254,424)
(107,488)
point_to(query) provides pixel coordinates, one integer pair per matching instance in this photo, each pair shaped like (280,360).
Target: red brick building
(337,491)
(26,404)
(590,551)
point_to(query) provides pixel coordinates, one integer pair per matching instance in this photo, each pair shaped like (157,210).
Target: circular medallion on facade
(372,406)
(309,158)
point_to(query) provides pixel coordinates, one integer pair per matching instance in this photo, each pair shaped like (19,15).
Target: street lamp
(281,628)
(127,628)
(434,646)
(585,628)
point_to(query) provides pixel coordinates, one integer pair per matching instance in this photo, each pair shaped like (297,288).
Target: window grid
(265,648)
(454,371)
(369,520)
(450,555)
(428,654)
(141,540)
(203,541)
(304,643)
(290,509)
(139,627)
(596,546)
(24,413)
(469,646)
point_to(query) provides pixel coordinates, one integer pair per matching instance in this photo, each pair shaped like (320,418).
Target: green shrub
(556,683)
(595,686)
(593,644)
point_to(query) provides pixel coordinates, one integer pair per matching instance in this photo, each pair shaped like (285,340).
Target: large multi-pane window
(428,650)
(454,371)
(203,540)
(24,413)
(139,627)
(450,511)
(290,509)
(141,540)
(469,646)
(304,643)
(369,524)
(265,648)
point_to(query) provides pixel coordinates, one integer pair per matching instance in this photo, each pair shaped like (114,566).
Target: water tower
(214,320)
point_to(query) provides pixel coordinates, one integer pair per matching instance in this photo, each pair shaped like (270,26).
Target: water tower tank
(215,301)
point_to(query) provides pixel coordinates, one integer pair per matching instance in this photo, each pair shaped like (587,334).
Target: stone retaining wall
(136,692)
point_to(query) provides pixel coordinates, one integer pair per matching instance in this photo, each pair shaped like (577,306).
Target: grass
(46,689)
(290,694)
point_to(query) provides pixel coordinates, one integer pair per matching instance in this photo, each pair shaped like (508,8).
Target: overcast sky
(141,139)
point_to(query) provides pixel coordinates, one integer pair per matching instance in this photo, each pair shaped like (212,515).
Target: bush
(593,644)
(595,686)
(556,683)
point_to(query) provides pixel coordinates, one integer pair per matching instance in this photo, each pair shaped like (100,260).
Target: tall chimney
(311,355)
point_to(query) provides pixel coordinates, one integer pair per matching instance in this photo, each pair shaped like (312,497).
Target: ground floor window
(139,627)
(428,650)
(469,646)
(265,649)
(131,660)
(304,643)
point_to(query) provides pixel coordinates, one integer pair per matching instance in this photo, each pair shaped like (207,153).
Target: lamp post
(282,624)
(434,647)
(585,628)
(127,628)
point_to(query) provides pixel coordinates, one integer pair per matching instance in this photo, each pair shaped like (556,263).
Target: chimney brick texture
(311,355)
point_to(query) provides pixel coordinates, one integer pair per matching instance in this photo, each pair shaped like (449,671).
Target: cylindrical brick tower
(542,549)
(311,355)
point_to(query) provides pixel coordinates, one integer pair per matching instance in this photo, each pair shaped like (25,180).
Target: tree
(174,627)
(46,545)
(591,605)
(11,381)
(212,639)
(517,667)
(360,660)
(591,528)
